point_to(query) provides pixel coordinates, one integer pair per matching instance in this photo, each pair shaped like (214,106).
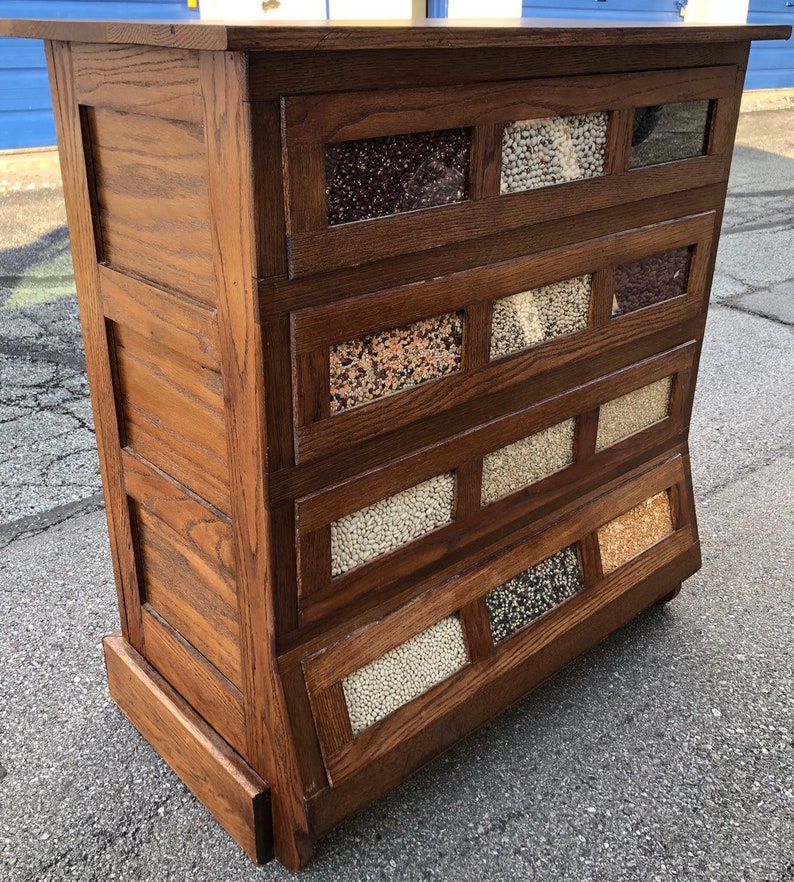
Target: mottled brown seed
(381,364)
(651,280)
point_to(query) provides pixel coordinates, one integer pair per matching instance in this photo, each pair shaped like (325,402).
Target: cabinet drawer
(373,176)
(469,344)
(381,533)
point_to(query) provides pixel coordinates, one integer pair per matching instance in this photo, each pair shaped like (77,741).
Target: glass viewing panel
(392,522)
(553,150)
(651,280)
(633,532)
(530,594)
(532,317)
(631,413)
(375,177)
(526,461)
(669,132)
(404,673)
(381,364)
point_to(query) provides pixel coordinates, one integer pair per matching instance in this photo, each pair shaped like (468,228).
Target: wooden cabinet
(392,336)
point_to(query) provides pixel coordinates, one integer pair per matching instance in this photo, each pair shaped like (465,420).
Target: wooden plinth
(236,796)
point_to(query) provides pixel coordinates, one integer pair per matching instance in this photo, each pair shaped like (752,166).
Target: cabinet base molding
(220,779)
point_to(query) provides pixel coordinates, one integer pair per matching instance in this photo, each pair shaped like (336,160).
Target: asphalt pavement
(667,753)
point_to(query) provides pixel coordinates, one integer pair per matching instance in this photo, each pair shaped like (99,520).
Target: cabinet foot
(669,596)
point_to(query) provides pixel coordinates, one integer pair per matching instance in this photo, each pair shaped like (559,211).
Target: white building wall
(350,10)
(251,10)
(717,11)
(484,9)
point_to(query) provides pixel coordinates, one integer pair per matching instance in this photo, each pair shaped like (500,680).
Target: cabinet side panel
(134,161)
(173,414)
(77,187)
(143,79)
(184,584)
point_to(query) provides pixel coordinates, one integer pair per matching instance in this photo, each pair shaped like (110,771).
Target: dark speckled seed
(530,594)
(381,364)
(375,177)
(651,280)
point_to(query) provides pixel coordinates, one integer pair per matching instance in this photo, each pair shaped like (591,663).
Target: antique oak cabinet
(392,335)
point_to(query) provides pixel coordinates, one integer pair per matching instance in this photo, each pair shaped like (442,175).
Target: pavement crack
(759,194)
(73,358)
(758,313)
(30,279)
(32,525)
(781,224)
(704,497)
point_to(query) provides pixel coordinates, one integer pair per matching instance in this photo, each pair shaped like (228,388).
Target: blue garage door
(25,109)
(771,64)
(629,10)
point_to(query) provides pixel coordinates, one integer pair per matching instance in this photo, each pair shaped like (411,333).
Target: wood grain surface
(235,795)
(423,34)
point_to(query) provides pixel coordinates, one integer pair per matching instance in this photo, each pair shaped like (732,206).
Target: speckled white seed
(633,412)
(389,523)
(528,318)
(510,468)
(541,152)
(404,673)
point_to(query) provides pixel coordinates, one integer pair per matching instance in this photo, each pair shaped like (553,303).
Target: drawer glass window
(633,532)
(554,150)
(375,177)
(404,673)
(380,364)
(668,132)
(531,317)
(651,280)
(530,594)
(634,412)
(389,523)
(510,468)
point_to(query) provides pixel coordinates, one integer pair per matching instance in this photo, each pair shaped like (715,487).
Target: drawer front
(377,175)
(421,362)
(377,689)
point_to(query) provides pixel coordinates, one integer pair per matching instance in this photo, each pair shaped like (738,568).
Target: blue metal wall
(771,64)
(25,108)
(629,10)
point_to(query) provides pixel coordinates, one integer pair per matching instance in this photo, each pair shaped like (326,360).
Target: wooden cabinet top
(419,34)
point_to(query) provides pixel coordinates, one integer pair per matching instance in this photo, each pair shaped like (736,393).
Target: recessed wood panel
(172,414)
(183,583)
(202,685)
(151,196)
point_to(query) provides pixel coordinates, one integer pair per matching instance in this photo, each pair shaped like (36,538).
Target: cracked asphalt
(667,753)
